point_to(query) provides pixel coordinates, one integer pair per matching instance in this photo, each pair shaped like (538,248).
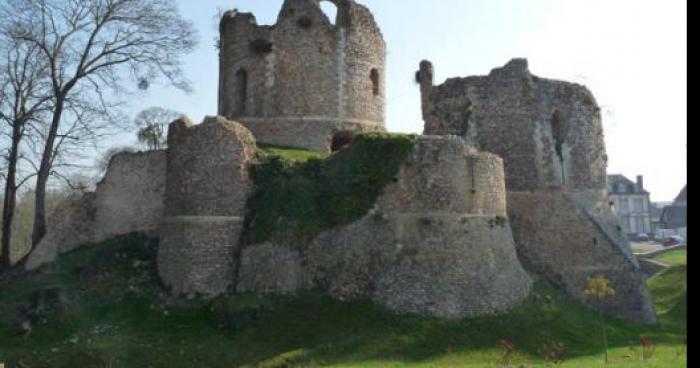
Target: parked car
(642,237)
(672,240)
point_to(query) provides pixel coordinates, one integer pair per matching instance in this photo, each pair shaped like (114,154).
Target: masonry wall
(430,246)
(207,186)
(130,196)
(557,237)
(297,82)
(128,199)
(549,132)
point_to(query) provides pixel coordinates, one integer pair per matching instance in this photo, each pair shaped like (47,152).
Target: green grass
(673,258)
(300,194)
(289,153)
(104,307)
(670,289)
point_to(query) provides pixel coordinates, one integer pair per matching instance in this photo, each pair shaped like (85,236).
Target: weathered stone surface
(549,133)
(550,136)
(195,255)
(130,196)
(446,175)
(431,245)
(207,186)
(70,226)
(128,199)
(207,169)
(267,268)
(557,237)
(452,267)
(301,80)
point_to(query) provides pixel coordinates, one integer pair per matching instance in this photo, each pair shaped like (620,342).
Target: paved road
(643,247)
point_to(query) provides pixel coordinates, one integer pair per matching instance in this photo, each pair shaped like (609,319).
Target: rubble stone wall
(297,82)
(128,199)
(208,184)
(556,237)
(130,196)
(550,136)
(549,133)
(430,246)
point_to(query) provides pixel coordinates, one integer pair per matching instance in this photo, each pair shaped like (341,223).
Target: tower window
(241,91)
(374,76)
(559,136)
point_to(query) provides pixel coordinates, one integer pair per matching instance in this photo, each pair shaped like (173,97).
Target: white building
(631,203)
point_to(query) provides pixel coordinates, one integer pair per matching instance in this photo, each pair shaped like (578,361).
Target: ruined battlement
(549,132)
(299,81)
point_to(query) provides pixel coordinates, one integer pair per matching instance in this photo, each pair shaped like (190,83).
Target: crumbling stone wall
(549,132)
(69,226)
(297,82)
(207,186)
(431,245)
(128,199)
(550,136)
(557,238)
(130,196)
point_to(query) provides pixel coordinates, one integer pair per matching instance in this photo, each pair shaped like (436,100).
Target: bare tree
(23,103)
(152,126)
(94,45)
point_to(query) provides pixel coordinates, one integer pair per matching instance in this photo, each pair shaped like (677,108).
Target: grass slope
(673,258)
(103,307)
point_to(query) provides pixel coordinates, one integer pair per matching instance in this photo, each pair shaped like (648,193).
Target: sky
(632,54)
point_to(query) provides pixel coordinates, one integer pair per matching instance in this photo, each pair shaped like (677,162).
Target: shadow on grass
(112,312)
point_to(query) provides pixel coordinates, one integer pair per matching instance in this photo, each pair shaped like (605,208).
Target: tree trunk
(42,179)
(10,199)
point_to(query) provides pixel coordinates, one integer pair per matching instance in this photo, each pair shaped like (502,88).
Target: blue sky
(630,53)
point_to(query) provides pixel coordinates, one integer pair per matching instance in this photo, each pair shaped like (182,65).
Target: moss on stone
(299,196)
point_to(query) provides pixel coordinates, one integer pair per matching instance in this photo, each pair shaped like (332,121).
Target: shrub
(296,200)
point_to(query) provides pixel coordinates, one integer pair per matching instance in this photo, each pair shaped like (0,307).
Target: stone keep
(550,136)
(301,80)
(431,245)
(207,186)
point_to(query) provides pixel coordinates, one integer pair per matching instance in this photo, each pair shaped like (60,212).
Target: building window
(640,225)
(374,76)
(626,224)
(624,205)
(639,205)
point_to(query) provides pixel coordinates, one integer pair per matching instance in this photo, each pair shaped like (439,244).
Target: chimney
(640,183)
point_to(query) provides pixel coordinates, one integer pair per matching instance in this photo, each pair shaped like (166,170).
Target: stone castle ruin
(301,80)
(508,181)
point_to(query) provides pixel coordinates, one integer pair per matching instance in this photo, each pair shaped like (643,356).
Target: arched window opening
(331,11)
(241,91)
(374,76)
(559,136)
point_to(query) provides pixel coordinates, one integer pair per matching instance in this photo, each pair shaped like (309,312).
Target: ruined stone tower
(301,80)
(550,136)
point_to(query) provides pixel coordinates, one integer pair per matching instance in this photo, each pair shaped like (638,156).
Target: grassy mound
(670,288)
(300,194)
(673,258)
(104,307)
